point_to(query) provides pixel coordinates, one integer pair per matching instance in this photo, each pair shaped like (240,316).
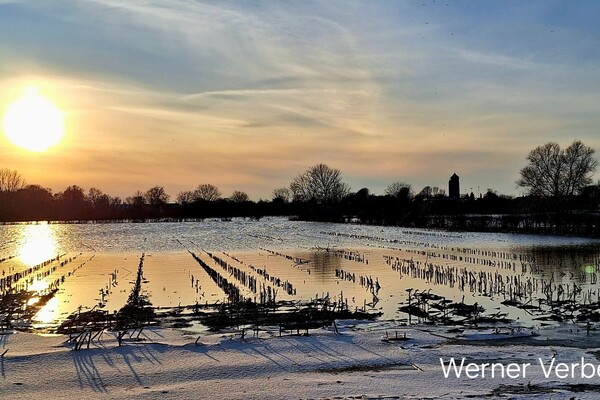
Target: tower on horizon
(454,187)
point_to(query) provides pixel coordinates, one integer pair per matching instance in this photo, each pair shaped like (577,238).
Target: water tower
(454,187)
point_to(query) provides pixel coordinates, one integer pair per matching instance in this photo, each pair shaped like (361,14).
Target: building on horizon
(454,187)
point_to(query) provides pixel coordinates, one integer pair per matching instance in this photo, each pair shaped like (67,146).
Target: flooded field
(409,275)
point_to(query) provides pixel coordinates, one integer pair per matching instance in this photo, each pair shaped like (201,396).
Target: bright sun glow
(39,245)
(33,122)
(48,313)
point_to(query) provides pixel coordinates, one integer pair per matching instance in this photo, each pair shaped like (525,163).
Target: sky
(247,94)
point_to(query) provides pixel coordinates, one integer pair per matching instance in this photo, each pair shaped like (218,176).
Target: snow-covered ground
(355,364)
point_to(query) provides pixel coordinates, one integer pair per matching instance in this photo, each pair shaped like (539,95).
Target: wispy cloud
(497,60)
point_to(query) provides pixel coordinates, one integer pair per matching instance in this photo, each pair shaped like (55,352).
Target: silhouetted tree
(282,194)
(239,197)
(115,201)
(156,196)
(207,192)
(427,191)
(36,193)
(491,194)
(363,194)
(319,183)
(136,200)
(95,196)
(554,172)
(10,180)
(72,203)
(73,195)
(185,197)
(399,190)
(33,203)
(101,203)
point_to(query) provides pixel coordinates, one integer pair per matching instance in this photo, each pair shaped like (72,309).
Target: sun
(33,122)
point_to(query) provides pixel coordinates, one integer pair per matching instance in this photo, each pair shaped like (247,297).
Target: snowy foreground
(356,364)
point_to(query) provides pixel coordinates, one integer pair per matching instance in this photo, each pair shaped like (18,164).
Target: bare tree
(136,200)
(207,192)
(115,201)
(239,197)
(579,166)
(185,197)
(319,183)
(94,195)
(10,180)
(282,194)
(554,172)
(399,190)
(156,196)
(97,198)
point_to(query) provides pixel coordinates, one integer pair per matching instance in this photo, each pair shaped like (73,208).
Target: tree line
(557,183)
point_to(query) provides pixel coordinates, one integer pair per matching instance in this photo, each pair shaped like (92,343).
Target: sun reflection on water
(38,245)
(38,285)
(48,313)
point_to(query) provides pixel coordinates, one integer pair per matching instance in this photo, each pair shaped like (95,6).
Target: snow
(355,364)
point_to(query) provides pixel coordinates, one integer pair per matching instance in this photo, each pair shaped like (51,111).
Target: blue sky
(246,94)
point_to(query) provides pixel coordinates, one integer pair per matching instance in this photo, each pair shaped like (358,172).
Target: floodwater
(371,267)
